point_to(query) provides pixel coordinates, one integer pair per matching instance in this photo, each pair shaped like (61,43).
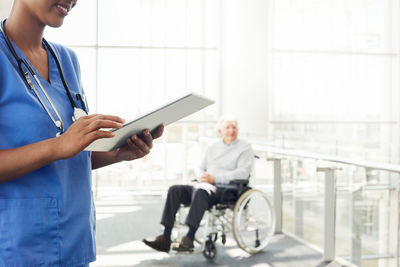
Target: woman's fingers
(92,127)
(133,147)
(102,121)
(86,130)
(139,144)
(92,136)
(157,132)
(97,121)
(134,150)
(104,117)
(147,138)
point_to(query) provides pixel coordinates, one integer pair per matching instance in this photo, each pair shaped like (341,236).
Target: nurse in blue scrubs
(47,215)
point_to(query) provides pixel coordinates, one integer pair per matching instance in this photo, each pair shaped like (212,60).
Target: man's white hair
(225,118)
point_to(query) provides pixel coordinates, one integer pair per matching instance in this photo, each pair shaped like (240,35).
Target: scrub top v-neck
(47,217)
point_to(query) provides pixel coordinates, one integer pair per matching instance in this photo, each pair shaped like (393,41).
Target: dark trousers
(198,200)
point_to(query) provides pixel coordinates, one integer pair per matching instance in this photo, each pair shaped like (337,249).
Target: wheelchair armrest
(239,181)
(240,184)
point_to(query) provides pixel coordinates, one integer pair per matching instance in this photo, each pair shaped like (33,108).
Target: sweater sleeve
(243,169)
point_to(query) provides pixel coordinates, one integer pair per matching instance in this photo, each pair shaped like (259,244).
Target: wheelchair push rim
(253,222)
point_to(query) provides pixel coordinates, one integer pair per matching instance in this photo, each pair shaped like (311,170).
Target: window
(138,54)
(335,72)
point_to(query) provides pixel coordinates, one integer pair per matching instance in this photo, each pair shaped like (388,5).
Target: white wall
(5,6)
(245,63)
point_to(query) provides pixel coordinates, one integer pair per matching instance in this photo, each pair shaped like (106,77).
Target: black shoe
(186,245)
(161,243)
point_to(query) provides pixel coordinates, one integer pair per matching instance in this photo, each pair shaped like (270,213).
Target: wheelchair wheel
(253,221)
(210,250)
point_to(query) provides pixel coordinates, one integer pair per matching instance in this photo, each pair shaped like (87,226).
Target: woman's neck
(25,31)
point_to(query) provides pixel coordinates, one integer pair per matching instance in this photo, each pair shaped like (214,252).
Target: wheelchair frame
(224,218)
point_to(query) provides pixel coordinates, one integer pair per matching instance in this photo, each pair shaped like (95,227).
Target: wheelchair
(249,217)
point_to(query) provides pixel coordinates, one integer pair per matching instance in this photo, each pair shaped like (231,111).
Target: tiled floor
(123,220)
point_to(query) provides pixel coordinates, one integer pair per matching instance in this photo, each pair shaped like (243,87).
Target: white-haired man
(226,160)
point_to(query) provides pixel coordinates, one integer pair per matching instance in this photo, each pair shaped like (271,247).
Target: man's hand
(207,178)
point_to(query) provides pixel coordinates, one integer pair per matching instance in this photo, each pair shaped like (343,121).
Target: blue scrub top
(47,217)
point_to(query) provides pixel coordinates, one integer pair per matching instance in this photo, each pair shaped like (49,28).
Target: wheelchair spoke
(253,221)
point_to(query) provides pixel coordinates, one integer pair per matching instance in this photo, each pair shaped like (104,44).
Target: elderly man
(226,160)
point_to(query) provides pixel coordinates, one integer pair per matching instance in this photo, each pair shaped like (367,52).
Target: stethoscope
(78,112)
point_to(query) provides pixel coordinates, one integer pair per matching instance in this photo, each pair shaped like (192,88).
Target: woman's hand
(83,132)
(22,160)
(137,147)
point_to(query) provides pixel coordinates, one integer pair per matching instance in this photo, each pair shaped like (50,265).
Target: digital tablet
(167,114)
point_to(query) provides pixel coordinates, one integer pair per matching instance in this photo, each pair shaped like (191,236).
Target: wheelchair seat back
(229,194)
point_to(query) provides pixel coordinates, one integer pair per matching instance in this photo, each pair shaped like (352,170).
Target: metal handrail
(303,154)
(278,154)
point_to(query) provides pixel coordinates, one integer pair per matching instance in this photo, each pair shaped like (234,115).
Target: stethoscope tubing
(71,99)
(59,124)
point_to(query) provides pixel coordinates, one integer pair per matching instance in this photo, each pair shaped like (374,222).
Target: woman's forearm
(22,160)
(101,159)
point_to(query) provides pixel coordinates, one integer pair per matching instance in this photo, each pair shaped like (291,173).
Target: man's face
(229,131)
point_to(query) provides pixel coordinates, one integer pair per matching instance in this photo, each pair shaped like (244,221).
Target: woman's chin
(56,23)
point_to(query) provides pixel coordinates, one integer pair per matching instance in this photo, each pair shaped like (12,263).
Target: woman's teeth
(63,8)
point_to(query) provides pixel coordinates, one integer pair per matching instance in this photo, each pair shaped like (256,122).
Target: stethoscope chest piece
(78,113)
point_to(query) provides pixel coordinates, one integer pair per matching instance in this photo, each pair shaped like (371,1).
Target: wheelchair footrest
(180,250)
